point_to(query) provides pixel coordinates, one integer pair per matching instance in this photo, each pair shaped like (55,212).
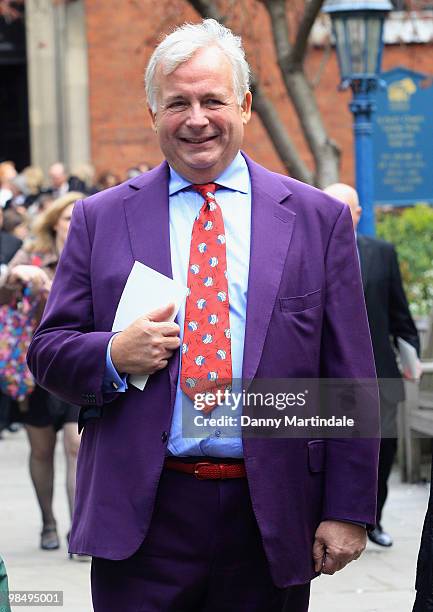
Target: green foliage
(411,232)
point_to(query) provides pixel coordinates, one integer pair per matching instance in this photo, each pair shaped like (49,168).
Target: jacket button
(164,437)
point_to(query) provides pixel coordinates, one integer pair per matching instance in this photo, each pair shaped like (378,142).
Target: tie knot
(206,191)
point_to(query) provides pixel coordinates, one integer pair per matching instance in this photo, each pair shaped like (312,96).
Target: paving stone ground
(380,581)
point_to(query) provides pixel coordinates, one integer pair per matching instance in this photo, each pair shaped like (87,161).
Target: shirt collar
(234,177)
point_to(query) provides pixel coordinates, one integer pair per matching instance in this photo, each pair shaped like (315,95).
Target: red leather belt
(208,471)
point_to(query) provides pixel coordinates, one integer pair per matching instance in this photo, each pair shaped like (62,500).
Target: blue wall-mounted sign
(403,139)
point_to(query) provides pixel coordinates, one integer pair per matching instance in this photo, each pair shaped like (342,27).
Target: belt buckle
(197,469)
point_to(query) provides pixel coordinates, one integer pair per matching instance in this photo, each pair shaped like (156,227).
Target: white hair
(184,41)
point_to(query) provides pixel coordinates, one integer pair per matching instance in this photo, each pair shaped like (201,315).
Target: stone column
(43,119)
(76,87)
(58,83)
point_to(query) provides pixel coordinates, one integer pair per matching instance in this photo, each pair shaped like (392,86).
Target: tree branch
(300,46)
(325,152)
(280,29)
(207,9)
(279,137)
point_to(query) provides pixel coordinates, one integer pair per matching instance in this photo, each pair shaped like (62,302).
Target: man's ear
(246,107)
(152,118)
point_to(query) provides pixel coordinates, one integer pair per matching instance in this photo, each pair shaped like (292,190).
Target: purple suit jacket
(305,318)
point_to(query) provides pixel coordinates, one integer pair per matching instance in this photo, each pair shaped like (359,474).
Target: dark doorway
(14,122)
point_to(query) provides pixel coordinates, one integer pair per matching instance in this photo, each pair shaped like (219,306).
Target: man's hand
(408,375)
(147,344)
(337,544)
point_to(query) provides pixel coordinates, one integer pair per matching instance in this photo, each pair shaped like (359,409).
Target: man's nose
(197,117)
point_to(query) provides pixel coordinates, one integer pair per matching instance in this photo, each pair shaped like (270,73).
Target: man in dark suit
(424,570)
(219,521)
(389,318)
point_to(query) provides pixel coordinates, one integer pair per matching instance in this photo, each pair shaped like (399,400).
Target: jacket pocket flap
(301,302)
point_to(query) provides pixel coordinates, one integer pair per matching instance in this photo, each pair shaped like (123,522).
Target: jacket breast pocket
(316,455)
(301,302)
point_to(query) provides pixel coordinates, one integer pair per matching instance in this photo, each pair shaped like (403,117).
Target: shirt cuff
(113,382)
(364,525)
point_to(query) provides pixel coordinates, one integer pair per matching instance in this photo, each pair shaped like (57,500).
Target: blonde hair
(34,178)
(85,172)
(43,227)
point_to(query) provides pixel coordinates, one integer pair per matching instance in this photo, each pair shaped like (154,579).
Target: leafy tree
(410,230)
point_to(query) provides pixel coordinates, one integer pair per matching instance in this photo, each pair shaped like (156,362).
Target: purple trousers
(203,553)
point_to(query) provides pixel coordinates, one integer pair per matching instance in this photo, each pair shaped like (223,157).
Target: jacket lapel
(272,224)
(147,218)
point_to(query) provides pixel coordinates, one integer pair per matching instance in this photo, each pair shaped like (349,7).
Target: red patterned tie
(206,349)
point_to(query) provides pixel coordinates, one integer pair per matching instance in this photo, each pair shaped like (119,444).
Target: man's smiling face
(199,122)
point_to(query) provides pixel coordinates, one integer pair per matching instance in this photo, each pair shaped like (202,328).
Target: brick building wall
(121,37)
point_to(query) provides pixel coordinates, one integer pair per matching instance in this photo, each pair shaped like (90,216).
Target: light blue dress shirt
(234,198)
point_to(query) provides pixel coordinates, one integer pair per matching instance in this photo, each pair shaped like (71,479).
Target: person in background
(143,166)
(424,569)
(9,245)
(4,588)
(58,180)
(132,173)
(83,179)
(389,318)
(107,179)
(16,223)
(20,192)
(7,174)
(34,178)
(34,266)
(41,204)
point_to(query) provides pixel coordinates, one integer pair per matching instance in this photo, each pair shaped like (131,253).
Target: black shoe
(380,537)
(49,538)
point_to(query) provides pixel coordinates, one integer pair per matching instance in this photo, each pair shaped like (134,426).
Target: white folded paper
(145,290)
(408,358)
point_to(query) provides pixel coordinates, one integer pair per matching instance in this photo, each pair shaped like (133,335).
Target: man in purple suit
(218,521)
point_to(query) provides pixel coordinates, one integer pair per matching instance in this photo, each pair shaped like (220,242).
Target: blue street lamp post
(358,28)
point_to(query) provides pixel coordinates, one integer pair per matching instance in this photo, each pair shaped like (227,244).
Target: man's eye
(213,102)
(177,104)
